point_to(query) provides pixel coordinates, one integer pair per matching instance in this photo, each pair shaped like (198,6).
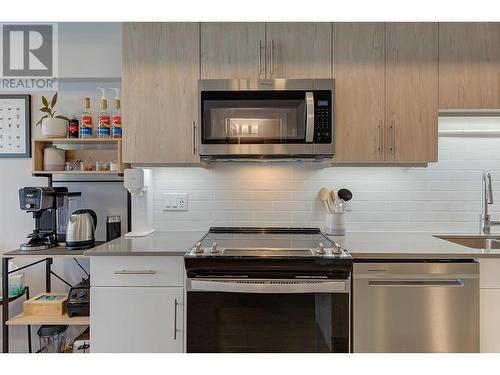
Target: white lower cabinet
(489,305)
(490,320)
(137,319)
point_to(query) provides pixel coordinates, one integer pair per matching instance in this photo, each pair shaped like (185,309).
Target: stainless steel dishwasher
(416,307)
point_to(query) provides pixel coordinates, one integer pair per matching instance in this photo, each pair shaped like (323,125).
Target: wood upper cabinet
(299,50)
(386,92)
(469,65)
(160,85)
(233,50)
(266,50)
(359,63)
(411,92)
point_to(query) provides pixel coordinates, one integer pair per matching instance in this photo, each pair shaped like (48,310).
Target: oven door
(290,316)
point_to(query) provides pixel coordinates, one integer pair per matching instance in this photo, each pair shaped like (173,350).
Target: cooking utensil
(325,196)
(333,197)
(344,194)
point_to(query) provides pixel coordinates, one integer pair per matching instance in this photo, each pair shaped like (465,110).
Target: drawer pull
(135,272)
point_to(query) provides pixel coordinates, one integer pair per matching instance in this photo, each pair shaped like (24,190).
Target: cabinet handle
(175,319)
(272,57)
(135,272)
(394,137)
(194,137)
(260,57)
(380,135)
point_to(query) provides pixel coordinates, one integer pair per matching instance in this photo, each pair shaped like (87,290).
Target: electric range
(268,290)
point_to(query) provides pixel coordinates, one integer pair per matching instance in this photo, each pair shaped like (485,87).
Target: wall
(445,197)
(89,56)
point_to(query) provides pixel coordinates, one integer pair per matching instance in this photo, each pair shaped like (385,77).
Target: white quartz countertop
(162,243)
(407,245)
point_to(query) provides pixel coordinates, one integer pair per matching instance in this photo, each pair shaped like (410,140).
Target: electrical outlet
(175,202)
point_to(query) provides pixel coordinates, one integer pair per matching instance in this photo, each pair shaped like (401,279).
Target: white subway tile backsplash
(444,197)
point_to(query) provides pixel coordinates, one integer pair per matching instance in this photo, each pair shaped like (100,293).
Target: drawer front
(489,273)
(137,271)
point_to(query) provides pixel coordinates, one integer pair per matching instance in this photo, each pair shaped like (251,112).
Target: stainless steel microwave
(277,119)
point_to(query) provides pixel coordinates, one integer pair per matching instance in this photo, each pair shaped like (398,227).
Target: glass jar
(52,338)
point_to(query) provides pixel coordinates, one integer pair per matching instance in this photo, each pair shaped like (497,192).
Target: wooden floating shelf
(21,320)
(86,149)
(78,172)
(78,140)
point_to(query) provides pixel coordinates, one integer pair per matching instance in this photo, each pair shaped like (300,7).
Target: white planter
(54,127)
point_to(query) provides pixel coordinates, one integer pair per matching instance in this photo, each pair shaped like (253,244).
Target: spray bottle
(103,118)
(116,117)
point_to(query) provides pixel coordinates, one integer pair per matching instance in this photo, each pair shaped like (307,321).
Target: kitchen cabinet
(299,50)
(161,63)
(386,92)
(411,92)
(233,50)
(359,62)
(469,65)
(137,304)
(266,50)
(137,319)
(489,305)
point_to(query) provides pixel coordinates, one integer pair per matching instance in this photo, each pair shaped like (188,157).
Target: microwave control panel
(322,117)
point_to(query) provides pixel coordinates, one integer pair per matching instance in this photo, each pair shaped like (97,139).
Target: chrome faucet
(486,221)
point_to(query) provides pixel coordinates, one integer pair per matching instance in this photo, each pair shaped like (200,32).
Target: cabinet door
(468,65)
(160,81)
(411,92)
(136,319)
(359,65)
(299,50)
(489,320)
(232,50)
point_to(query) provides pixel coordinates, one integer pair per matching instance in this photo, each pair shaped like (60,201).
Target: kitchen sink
(474,241)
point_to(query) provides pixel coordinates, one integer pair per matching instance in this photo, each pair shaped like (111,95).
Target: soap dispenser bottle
(103,118)
(116,117)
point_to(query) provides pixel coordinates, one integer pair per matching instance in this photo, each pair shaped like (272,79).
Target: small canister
(113,227)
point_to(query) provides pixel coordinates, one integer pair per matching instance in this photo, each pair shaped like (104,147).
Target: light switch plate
(175,202)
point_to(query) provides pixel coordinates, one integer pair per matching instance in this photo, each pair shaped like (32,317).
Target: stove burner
(267,252)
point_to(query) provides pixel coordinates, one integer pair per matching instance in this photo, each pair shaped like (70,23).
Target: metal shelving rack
(42,256)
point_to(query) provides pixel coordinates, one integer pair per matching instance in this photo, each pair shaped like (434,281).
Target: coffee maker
(48,206)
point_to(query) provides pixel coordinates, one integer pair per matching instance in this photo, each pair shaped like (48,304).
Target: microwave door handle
(309,117)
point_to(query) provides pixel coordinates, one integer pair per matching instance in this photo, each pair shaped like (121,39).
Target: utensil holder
(335,223)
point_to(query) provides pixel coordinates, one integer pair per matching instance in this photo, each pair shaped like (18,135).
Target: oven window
(263,323)
(253,117)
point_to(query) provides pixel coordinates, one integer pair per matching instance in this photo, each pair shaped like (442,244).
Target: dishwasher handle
(447,283)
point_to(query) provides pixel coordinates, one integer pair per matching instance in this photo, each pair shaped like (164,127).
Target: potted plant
(52,125)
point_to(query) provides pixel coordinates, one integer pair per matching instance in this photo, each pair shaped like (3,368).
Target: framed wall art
(15,126)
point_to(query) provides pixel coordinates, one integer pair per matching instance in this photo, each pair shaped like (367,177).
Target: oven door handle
(269,286)
(309,116)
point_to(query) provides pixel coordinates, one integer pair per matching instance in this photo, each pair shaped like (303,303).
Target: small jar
(114,166)
(86,166)
(100,166)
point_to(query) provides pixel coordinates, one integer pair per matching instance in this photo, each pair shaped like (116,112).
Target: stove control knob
(198,249)
(336,249)
(214,249)
(321,249)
